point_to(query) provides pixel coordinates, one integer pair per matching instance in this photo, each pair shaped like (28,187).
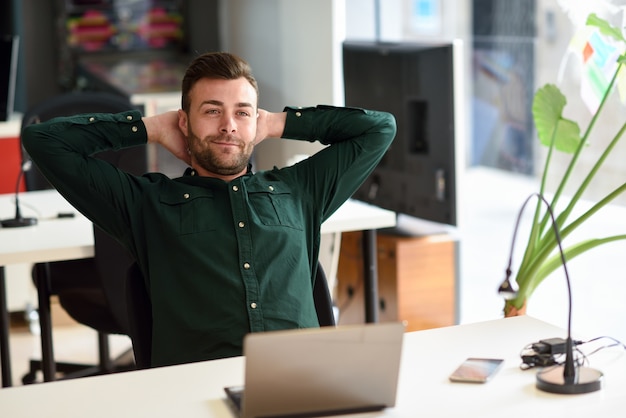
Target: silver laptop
(320,371)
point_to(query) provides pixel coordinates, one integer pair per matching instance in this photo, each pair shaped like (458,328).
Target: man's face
(221,126)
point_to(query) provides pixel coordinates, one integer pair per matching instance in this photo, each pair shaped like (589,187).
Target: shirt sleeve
(357,140)
(64,148)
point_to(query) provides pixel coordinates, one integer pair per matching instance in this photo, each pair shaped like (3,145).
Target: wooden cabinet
(416,280)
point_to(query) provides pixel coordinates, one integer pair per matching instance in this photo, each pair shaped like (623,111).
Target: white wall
(451,19)
(293,47)
(362,24)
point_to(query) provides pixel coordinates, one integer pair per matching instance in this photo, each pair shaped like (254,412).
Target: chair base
(125,362)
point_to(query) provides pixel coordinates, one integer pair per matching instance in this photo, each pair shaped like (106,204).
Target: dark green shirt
(221,259)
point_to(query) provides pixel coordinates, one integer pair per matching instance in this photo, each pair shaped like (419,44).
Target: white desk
(196,390)
(54,239)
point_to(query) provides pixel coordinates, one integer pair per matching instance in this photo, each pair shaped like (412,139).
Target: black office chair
(140,311)
(92,291)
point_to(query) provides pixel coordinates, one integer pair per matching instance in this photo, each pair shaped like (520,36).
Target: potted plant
(559,133)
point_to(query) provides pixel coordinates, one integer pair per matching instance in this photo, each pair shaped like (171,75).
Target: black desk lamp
(19,221)
(567,378)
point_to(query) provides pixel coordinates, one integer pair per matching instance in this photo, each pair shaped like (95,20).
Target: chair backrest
(112,261)
(140,311)
(139,316)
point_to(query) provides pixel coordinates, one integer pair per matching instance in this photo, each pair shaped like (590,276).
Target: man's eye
(242,113)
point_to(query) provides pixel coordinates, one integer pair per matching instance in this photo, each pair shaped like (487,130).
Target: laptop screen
(322,371)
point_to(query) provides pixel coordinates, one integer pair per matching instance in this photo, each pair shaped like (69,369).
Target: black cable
(615,343)
(531,358)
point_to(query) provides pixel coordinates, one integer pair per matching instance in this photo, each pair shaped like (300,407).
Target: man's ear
(183,122)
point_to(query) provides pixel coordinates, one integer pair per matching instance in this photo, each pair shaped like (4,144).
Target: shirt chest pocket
(274,206)
(190,213)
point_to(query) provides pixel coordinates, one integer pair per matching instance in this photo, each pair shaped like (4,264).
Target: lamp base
(552,380)
(18,222)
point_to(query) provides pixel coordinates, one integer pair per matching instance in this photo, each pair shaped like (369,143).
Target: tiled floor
(489,208)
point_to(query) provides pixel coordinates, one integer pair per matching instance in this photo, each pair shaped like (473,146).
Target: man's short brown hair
(215,65)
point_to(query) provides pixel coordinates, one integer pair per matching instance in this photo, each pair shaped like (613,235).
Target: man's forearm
(84,134)
(276,124)
(63,150)
(329,124)
(163,129)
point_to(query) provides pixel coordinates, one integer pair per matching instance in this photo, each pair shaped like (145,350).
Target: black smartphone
(476,370)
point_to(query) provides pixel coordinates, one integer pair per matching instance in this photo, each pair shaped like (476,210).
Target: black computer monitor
(419,84)
(8,73)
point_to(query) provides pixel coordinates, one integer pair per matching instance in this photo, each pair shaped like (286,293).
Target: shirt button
(241,224)
(271,188)
(253,305)
(235,188)
(91,119)
(246,266)
(186,195)
(298,114)
(129,117)
(134,129)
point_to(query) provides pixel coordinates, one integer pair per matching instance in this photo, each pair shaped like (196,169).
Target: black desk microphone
(19,221)
(568,378)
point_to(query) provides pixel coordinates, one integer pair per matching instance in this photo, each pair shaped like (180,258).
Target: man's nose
(228,124)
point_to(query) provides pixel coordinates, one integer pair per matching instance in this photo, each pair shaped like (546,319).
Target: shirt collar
(189,171)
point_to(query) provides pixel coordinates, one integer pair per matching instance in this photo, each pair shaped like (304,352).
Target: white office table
(196,390)
(54,239)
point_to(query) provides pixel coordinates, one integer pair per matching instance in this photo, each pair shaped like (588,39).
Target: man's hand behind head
(269,125)
(164,129)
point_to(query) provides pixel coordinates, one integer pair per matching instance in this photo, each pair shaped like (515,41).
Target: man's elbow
(29,137)
(389,126)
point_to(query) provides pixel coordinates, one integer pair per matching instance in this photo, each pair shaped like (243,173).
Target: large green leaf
(548,105)
(605,28)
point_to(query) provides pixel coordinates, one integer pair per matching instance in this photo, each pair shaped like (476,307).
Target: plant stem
(535,231)
(578,151)
(555,262)
(563,216)
(536,270)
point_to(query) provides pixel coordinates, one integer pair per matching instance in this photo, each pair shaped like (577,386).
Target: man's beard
(224,164)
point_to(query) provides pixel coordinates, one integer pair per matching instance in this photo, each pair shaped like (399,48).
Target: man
(225,251)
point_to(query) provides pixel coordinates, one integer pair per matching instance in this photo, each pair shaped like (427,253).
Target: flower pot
(510,310)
